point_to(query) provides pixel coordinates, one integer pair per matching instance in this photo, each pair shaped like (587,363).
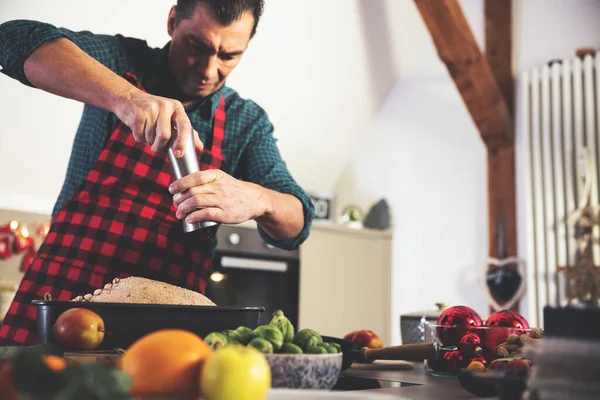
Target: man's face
(203,53)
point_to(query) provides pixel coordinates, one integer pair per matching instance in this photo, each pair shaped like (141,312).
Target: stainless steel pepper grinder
(184,166)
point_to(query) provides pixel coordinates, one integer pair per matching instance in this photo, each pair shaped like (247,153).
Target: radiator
(560,116)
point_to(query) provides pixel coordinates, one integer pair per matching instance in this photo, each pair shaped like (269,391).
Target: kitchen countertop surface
(423,386)
(399,383)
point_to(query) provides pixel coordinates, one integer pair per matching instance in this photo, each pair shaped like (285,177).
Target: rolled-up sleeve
(20,38)
(262,164)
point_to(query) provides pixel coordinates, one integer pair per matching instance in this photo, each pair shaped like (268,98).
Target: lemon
(235,372)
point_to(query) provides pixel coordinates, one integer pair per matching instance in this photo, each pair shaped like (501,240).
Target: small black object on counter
(378,216)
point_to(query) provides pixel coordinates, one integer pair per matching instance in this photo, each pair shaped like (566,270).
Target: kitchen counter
(403,384)
(410,384)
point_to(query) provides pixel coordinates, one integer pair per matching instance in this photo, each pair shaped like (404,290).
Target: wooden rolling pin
(406,352)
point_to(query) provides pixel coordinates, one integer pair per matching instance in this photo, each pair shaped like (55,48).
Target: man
(120,211)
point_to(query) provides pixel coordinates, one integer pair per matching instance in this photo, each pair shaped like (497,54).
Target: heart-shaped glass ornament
(503,278)
(504,282)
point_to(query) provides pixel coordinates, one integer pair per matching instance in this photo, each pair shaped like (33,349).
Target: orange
(55,363)
(166,362)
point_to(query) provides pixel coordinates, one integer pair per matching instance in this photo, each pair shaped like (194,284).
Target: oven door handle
(253,264)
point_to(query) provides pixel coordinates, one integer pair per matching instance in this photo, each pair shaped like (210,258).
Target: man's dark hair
(225,11)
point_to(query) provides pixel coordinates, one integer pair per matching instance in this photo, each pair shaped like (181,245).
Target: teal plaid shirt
(249,148)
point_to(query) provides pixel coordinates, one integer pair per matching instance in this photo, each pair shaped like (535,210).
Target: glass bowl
(455,347)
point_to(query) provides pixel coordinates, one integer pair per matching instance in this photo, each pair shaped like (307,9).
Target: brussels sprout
(312,341)
(284,325)
(216,340)
(272,334)
(232,336)
(316,350)
(336,345)
(245,334)
(330,348)
(262,345)
(290,348)
(302,338)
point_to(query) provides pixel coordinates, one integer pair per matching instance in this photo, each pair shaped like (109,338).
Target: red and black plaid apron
(120,223)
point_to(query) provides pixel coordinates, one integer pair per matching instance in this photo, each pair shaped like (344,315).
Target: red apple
(78,329)
(365,338)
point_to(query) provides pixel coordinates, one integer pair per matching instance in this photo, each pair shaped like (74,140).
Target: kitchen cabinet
(346,280)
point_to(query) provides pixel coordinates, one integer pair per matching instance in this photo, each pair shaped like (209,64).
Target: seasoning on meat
(145,291)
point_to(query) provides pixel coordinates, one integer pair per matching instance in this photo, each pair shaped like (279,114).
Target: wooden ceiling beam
(486,85)
(498,46)
(501,163)
(470,70)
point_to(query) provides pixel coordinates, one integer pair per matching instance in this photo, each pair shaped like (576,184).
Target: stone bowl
(305,371)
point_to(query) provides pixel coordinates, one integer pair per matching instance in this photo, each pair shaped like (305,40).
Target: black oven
(248,272)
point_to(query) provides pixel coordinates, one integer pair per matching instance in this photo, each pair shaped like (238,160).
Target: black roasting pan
(125,323)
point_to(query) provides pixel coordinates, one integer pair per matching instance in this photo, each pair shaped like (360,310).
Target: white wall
(427,160)
(36,128)
(550,29)
(306,67)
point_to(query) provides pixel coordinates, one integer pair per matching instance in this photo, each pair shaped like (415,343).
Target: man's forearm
(283,218)
(62,68)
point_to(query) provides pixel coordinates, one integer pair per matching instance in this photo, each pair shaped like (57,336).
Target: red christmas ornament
(502,324)
(10,228)
(459,320)
(6,229)
(23,241)
(479,358)
(5,249)
(468,344)
(27,259)
(507,318)
(452,362)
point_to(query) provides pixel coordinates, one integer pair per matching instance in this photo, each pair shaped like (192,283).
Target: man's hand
(213,195)
(152,119)
(62,68)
